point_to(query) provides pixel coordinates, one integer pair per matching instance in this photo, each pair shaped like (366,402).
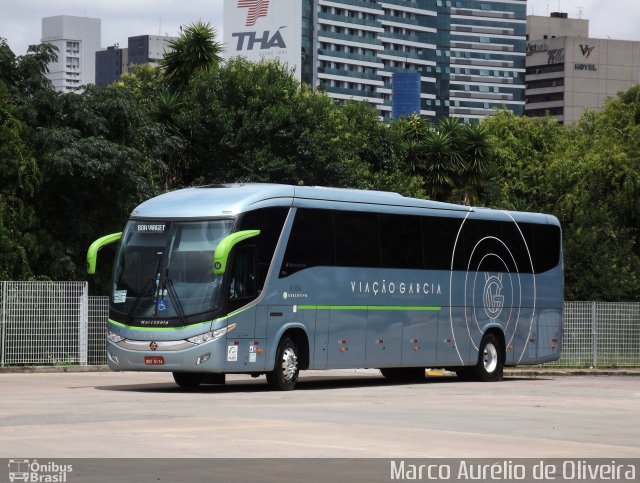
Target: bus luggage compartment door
(347,336)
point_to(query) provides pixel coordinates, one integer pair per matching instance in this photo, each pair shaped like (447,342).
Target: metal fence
(57,323)
(600,334)
(51,323)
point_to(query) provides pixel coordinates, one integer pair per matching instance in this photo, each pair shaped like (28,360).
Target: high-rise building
(148,49)
(568,72)
(77,40)
(111,63)
(469,54)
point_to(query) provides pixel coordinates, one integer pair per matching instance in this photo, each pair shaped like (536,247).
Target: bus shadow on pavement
(310,383)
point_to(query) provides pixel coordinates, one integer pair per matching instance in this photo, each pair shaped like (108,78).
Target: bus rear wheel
(490,364)
(188,380)
(284,376)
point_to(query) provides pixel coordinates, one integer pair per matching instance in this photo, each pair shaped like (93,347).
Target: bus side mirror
(221,254)
(92,253)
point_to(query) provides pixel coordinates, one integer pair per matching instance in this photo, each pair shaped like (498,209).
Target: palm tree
(196,49)
(443,165)
(477,156)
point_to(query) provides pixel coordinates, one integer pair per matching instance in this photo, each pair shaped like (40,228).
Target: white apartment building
(78,40)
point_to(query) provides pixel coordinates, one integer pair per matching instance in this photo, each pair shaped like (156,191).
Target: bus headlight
(113,337)
(213,335)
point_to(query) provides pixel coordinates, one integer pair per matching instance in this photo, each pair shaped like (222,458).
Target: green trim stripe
(370,307)
(173,329)
(156,329)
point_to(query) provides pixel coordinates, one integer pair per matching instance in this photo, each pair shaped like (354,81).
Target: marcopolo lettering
(248,40)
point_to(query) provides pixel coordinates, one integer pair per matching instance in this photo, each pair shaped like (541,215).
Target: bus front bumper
(167,356)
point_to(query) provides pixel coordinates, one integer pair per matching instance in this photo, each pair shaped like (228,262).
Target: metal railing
(43,323)
(57,323)
(600,334)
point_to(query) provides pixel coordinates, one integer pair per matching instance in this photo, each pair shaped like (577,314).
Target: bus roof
(228,200)
(232,199)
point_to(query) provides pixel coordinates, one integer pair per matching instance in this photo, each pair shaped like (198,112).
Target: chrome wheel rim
(490,358)
(289,364)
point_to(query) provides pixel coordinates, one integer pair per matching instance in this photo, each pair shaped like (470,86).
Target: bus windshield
(165,269)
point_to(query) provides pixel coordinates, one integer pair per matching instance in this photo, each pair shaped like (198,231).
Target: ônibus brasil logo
(38,472)
(257,9)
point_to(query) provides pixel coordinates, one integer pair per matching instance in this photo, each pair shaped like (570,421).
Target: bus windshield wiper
(173,296)
(147,289)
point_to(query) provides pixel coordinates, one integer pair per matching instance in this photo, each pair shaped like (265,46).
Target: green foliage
(589,177)
(196,49)
(522,149)
(98,163)
(451,158)
(19,178)
(253,122)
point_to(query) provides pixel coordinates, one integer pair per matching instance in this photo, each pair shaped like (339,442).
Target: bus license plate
(154,360)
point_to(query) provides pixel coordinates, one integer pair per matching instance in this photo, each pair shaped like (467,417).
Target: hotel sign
(539,47)
(586,51)
(264,29)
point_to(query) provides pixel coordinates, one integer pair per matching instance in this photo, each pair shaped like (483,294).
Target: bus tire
(188,380)
(403,374)
(490,360)
(284,376)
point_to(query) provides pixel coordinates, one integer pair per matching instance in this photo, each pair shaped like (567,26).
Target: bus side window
(243,285)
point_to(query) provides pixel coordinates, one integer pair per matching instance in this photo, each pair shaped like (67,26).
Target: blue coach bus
(273,279)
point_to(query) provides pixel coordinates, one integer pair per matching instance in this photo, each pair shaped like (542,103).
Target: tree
(19,178)
(589,177)
(450,157)
(597,179)
(102,158)
(247,121)
(522,150)
(22,83)
(196,49)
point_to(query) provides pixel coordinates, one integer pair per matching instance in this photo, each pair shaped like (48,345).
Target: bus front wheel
(188,380)
(286,370)
(490,360)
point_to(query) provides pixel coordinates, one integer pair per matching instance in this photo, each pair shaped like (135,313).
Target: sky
(20,20)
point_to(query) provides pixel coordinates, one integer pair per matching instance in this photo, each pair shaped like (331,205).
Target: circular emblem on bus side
(153,346)
(492,298)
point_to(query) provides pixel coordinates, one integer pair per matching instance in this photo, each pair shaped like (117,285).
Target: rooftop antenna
(579,12)
(160,26)
(547,9)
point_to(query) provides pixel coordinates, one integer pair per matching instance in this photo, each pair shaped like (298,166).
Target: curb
(52,369)
(561,372)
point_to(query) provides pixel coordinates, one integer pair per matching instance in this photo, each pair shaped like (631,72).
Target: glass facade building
(470,54)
